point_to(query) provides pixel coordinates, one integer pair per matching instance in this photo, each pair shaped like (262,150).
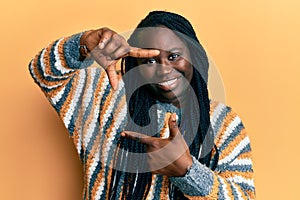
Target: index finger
(139,137)
(143,53)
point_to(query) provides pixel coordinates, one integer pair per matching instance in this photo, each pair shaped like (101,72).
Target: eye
(150,61)
(173,56)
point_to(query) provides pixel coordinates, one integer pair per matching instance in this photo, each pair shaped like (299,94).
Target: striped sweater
(95,115)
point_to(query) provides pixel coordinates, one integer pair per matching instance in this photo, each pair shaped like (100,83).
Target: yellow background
(255,45)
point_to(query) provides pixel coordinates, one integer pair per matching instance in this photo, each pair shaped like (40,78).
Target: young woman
(154,134)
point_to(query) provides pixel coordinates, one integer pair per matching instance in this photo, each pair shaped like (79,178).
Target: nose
(164,68)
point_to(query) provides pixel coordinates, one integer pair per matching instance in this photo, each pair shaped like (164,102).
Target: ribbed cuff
(197,182)
(72,54)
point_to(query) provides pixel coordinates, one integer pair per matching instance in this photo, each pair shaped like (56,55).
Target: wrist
(189,167)
(83,49)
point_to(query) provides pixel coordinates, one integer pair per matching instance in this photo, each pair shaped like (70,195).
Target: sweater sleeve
(233,176)
(76,89)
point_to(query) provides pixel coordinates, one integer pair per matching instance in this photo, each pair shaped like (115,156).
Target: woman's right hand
(106,47)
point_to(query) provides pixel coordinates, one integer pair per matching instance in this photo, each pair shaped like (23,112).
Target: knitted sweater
(95,115)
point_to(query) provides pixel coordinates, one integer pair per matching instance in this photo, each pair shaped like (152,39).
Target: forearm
(56,63)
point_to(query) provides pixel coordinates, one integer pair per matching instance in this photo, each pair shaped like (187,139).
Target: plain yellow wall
(254,44)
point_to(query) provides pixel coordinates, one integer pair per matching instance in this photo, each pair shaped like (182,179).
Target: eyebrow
(175,49)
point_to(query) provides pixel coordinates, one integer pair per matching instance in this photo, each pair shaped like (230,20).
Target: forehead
(159,38)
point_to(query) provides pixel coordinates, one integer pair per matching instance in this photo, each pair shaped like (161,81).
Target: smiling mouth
(167,83)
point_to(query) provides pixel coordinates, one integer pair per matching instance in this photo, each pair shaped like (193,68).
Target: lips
(168,85)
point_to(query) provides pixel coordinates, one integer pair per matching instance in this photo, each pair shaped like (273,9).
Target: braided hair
(141,100)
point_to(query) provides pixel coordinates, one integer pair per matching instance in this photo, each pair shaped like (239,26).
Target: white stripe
(43,67)
(112,103)
(92,125)
(216,114)
(40,83)
(151,190)
(58,64)
(236,121)
(244,161)
(89,91)
(78,92)
(236,189)
(135,182)
(93,165)
(88,96)
(240,179)
(224,187)
(119,119)
(102,89)
(235,151)
(58,96)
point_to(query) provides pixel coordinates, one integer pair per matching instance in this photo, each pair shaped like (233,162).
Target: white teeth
(167,83)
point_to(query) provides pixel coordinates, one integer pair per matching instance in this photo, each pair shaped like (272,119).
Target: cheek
(147,73)
(187,69)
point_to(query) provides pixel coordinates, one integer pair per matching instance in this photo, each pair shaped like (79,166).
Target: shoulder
(226,123)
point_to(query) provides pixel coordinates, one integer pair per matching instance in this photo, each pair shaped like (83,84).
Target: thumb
(173,126)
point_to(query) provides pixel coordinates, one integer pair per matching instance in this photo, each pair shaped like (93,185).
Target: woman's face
(170,73)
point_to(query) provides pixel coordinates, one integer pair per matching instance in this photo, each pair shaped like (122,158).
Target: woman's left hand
(166,156)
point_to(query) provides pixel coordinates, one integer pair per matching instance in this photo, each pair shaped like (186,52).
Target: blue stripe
(41,72)
(246,186)
(235,132)
(234,192)
(158,186)
(224,166)
(78,107)
(67,90)
(220,119)
(55,71)
(94,178)
(221,191)
(90,105)
(239,168)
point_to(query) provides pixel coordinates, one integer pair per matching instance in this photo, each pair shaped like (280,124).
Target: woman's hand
(107,47)
(169,156)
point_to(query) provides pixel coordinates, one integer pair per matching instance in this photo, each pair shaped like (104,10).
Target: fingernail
(101,45)
(157,52)
(123,134)
(174,117)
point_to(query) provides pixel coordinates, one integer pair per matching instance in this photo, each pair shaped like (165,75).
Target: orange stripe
(245,155)
(251,194)
(107,135)
(118,111)
(106,105)
(61,53)
(69,98)
(240,190)
(95,103)
(153,180)
(39,78)
(229,174)
(97,139)
(163,131)
(165,188)
(47,55)
(229,190)
(226,122)
(78,122)
(232,145)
